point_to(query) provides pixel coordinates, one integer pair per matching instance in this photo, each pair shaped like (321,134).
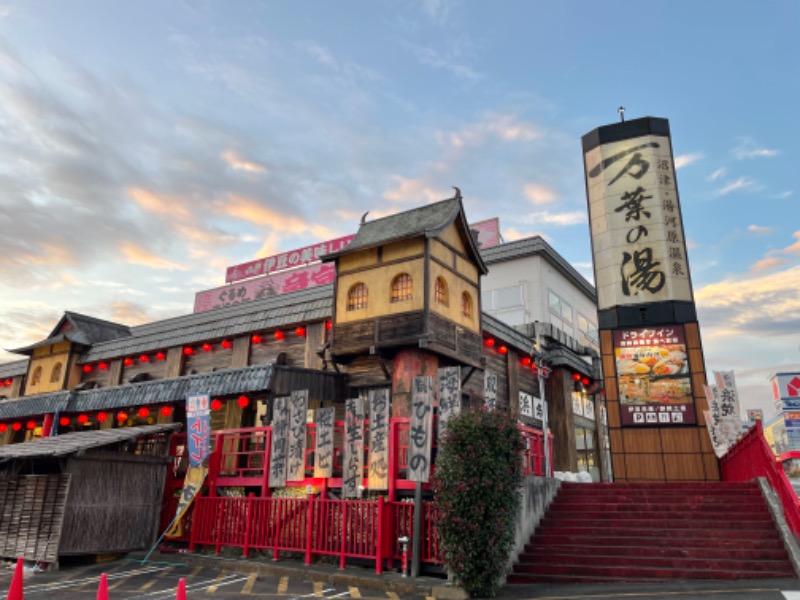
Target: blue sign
(788,404)
(792,426)
(198,422)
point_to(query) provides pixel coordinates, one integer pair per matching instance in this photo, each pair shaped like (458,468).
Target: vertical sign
(198,421)
(353,448)
(295,468)
(449,397)
(490,390)
(378,439)
(538,408)
(280,433)
(714,423)
(526,405)
(635,220)
(419,442)
(728,405)
(323,450)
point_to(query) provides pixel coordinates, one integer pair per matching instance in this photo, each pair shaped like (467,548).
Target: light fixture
(256,339)
(226,344)
(64,421)
(166,411)
(300,332)
(279,335)
(243,401)
(144,358)
(144,412)
(216,404)
(188,350)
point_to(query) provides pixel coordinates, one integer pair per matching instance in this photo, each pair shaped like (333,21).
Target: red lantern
(206,348)
(216,404)
(526,361)
(101,417)
(243,401)
(127,362)
(83,419)
(144,358)
(576,376)
(329,325)
(144,412)
(489,342)
(122,416)
(166,411)
(31,425)
(187,350)
(226,344)
(279,335)
(87,368)
(16,426)
(502,350)
(256,339)
(300,332)
(3,427)
(585,381)
(102,366)
(64,421)
(161,356)
(1,383)
(9,381)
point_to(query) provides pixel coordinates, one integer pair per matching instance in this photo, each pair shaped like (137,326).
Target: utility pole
(541,371)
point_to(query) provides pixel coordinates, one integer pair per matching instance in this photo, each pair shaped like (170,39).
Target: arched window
(442,297)
(37,376)
(402,288)
(357,297)
(55,374)
(466,305)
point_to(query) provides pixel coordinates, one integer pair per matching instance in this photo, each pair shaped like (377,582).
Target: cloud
(438,10)
(539,194)
(234,161)
(451,60)
(749,148)
(565,219)
(139,255)
(415,191)
(684,160)
(782,195)
(794,248)
(507,128)
(759,230)
(767,264)
(741,184)
(717,174)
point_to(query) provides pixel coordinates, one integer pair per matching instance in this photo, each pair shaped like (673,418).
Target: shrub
(478,482)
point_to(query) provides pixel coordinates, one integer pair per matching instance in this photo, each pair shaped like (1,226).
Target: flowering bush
(478,483)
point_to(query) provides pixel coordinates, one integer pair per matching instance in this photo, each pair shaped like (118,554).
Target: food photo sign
(653,376)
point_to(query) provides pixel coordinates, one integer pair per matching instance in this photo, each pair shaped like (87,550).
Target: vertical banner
(378,439)
(525,405)
(323,450)
(538,408)
(280,433)
(295,467)
(449,397)
(198,424)
(353,448)
(714,423)
(419,439)
(192,482)
(490,390)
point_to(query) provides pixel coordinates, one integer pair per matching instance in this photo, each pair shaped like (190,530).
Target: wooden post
(416,541)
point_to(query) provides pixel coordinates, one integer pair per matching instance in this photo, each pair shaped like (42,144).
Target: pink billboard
(488,232)
(285,260)
(264,287)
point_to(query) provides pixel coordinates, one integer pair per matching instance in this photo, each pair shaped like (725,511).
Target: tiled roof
(71,443)
(305,306)
(82,329)
(13,368)
(532,246)
(497,328)
(29,406)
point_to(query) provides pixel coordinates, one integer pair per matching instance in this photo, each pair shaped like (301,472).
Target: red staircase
(597,532)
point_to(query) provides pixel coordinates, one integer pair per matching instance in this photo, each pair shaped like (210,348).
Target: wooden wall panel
(618,466)
(240,357)
(205,362)
(615,437)
(644,467)
(684,467)
(692,335)
(612,409)
(680,440)
(642,440)
(711,464)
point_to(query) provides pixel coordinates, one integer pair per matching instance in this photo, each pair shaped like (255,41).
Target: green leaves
(478,482)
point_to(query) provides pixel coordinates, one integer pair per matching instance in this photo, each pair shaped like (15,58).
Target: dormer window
(466,305)
(55,374)
(442,296)
(357,297)
(37,376)
(402,288)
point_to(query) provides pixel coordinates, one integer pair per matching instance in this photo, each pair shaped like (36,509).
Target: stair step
(706,486)
(656,533)
(531,562)
(604,541)
(772,550)
(662,512)
(653,573)
(684,522)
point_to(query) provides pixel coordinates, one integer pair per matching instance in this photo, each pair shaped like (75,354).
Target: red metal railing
(752,457)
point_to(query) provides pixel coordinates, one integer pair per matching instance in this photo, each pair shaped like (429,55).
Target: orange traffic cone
(181,595)
(15,589)
(102,589)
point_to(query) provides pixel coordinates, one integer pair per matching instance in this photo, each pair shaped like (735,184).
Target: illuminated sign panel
(635,221)
(653,376)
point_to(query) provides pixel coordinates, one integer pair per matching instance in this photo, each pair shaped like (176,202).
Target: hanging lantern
(206,348)
(102,366)
(329,325)
(64,421)
(1,383)
(489,342)
(576,376)
(31,425)
(144,358)
(256,339)
(300,332)
(585,381)
(279,335)
(161,356)
(226,344)
(16,426)
(9,381)
(143,412)
(243,401)
(166,411)
(3,427)
(216,404)
(188,350)
(101,417)
(87,368)
(122,416)
(83,419)
(128,362)
(502,350)
(526,361)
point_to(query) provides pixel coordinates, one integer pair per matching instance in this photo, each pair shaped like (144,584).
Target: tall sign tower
(649,336)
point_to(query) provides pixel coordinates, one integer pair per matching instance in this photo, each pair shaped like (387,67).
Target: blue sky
(148,145)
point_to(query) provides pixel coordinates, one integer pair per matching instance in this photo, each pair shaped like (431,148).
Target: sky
(148,145)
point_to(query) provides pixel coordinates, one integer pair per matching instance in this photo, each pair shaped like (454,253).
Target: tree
(478,485)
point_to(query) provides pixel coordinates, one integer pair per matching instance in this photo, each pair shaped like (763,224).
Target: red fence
(366,529)
(752,457)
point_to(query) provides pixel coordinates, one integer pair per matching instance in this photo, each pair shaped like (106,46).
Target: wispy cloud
(684,160)
(794,248)
(766,264)
(741,184)
(759,230)
(234,161)
(717,174)
(438,10)
(782,195)
(749,148)
(413,191)
(451,60)
(564,219)
(139,255)
(507,128)
(537,193)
